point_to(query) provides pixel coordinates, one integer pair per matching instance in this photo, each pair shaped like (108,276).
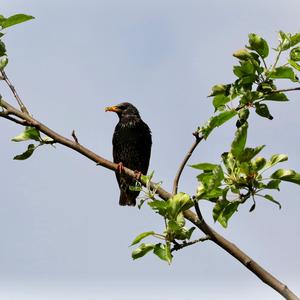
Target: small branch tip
(75,137)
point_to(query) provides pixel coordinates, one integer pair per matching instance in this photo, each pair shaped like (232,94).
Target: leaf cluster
(240,177)
(31,133)
(255,85)
(172,213)
(5,23)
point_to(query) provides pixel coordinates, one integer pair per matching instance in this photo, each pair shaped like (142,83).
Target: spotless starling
(131,148)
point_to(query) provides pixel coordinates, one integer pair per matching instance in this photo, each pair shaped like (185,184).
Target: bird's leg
(120,167)
(137,175)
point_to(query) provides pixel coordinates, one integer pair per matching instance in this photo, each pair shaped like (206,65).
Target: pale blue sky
(63,235)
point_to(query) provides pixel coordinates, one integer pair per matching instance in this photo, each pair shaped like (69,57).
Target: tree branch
(13,90)
(5,115)
(197,220)
(198,139)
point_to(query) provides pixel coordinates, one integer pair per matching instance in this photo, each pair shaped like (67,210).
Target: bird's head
(123,109)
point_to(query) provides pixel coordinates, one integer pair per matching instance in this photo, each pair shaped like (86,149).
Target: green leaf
(217,121)
(2,19)
(159,206)
(210,195)
(3,62)
(15,19)
(246,68)
(258,44)
(135,188)
(243,117)
(244,114)
(2,48)
(175,231)
(223,211)
(178,232)
(178,203)
(190,232)
(48,140)
(266,86)
(163,252)
(294,64)
(142,250)
(204,166)
(242,54)
(180,220)
(237,71)
(247,80)
(141,236)
(220,101)
(229,161)
(26,154)
(262,110)
(276,97)
(295,39)
(250,153)
(211,179)
(30,133)
(258,163)
(218,176)
(270,198)
(273,184)
(287,175)
(239,141)
(295,54)
(287,40)
(205,178)
(244,168)
(283,72)
(229,210)
(218,208)
(275,159)
(220,89)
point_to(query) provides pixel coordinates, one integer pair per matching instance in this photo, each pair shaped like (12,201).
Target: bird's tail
(127,199)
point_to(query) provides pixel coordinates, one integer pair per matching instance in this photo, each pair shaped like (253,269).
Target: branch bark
(196,219)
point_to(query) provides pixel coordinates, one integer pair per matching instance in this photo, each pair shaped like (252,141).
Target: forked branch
(198,139)
(13,90)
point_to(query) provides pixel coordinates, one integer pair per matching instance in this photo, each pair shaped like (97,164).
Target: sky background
(62,232)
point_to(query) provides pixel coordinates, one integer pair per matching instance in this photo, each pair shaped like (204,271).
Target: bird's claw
(137,175)
(120,167)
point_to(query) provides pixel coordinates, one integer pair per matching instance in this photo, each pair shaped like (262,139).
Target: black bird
(131,148)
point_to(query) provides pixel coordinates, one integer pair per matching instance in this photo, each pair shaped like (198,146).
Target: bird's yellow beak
(113,108)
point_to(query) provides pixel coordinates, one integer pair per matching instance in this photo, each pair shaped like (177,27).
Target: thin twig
(264,62)
(178,246)
(198,212)
(197,220)
(277,59)
(286,90)
(12,88)
(198,139)
(8,117)
(75,137)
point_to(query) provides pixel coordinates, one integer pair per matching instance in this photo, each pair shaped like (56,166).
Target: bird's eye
(122,107)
